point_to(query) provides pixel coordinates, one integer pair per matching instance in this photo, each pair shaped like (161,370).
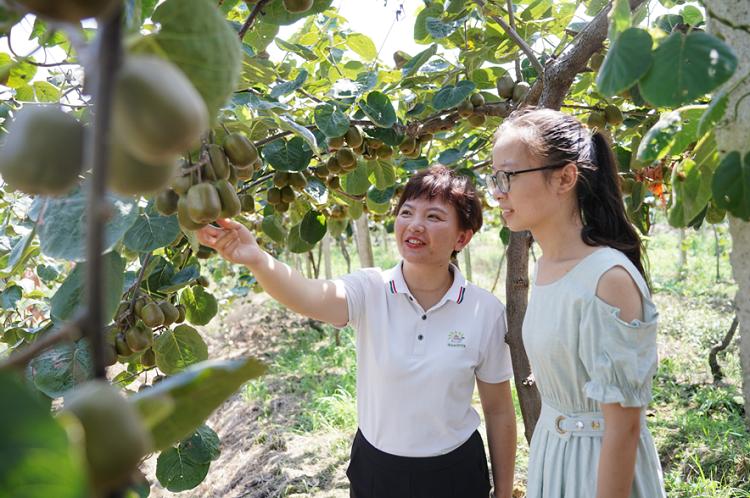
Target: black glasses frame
(499,180)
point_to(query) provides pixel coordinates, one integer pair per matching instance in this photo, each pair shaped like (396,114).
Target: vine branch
(251,18)
(71,331)
(516,38)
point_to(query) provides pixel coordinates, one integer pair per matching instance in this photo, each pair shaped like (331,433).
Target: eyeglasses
(498,182)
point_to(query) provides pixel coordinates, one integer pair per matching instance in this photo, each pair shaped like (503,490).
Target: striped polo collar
(394,280)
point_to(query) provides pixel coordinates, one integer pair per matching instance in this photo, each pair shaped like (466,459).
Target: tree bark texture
(364,243)
(730,21)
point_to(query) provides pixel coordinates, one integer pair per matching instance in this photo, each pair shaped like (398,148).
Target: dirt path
(259,458)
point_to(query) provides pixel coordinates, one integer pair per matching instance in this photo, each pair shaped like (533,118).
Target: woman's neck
(560,238)
(426,282)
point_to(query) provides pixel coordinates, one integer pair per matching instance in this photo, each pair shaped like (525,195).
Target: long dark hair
(559,138)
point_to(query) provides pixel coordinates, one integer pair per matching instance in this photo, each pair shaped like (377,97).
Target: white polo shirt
(416,368)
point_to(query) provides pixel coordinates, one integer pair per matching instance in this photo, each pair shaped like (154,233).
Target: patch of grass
(317,374)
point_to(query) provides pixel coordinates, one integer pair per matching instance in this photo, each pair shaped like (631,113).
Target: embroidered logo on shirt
(456,339)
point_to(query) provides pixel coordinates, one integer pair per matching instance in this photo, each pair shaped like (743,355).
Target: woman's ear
(463,239)
(568,178)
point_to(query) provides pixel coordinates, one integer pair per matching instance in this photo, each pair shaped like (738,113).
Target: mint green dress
(583,354)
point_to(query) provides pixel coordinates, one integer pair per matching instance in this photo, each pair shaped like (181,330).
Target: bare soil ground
(259,457)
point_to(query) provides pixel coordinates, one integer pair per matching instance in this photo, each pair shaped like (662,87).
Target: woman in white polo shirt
(424,335)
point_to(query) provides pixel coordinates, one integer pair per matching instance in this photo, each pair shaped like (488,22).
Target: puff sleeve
(620,358)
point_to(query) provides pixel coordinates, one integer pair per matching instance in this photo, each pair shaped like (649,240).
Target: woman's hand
(233,241)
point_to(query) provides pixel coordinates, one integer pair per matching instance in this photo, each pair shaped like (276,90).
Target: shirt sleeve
(494,356)
(619,357)
(357,285)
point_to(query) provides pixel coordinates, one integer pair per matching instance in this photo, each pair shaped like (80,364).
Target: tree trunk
(467,263)
(364,244)
(729,19)
(327,257)
(517,288)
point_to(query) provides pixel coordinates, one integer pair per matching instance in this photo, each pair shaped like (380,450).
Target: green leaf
(182,278)
(288,155)
(356,182)
(505,235)
(21,75)
(62,229)
(70,296)
(313,227)
(10,296)
(36,459)
(381,173)
(289,86)
(362,45)
(331,121)
(295,48)
(295,243)
(627,60)
(714,113)
(421,35)
(201,305)
(379,109)
(275,13)
(691,183)
(419,60)
(21,252)
(61,368)
(197,38)
(178,472)
(185,466)
(450,96)
(619,19)
(45,92)
(438,29)
(692,15)
(686,67)
(731,185)
(671,135)
(151,230)
(380,196)
(388,136)
(192,396)
(179,348)
(202,446)
(271,226)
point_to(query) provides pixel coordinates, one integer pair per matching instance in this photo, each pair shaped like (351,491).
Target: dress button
(424,317)
(420,337)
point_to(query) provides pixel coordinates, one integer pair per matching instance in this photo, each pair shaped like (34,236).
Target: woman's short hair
(455,189)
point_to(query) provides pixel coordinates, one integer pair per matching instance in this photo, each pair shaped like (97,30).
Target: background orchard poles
(730,20)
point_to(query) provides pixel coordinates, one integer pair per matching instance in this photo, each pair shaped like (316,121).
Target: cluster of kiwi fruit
(281,195)
(204,193)
(508,88)
(467,107)
(157,114)
(133,331)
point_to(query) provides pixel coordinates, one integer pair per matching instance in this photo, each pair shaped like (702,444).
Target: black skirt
(462,473)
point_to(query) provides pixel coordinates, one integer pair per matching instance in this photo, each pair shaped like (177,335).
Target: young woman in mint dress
(590,326)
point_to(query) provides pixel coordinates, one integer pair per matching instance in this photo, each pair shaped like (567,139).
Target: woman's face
(427,231)
(530,200)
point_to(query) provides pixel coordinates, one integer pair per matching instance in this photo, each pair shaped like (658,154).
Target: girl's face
(531,199)
(427,231)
